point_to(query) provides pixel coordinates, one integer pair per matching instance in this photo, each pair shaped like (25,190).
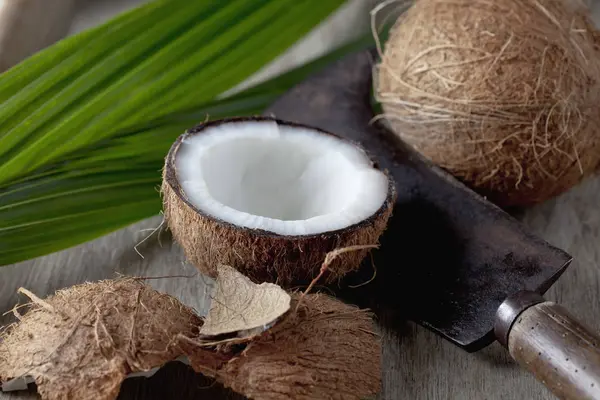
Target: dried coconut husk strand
(82,342)
(504,94)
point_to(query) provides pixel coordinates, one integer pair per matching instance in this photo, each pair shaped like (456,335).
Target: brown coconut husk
(504,94)
(320,349)
(262,256)
(324,349)
(82,343)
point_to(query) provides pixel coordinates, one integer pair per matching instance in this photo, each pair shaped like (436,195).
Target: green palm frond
(86,123)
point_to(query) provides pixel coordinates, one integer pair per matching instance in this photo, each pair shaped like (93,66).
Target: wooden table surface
(416,363)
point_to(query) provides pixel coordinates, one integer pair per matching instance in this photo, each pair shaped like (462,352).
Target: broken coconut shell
(82,342)
(323,349)
(264,255)
(241,306)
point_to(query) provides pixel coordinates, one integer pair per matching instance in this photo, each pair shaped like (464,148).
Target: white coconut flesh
(284,179)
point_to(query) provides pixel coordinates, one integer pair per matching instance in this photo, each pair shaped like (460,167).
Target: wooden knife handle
(542,337)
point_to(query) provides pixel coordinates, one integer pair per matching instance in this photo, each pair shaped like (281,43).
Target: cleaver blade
(449,258)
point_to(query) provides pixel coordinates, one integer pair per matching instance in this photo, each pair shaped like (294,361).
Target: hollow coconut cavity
(272,198)
(504,94)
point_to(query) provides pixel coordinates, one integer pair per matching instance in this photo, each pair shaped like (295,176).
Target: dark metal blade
(449,257)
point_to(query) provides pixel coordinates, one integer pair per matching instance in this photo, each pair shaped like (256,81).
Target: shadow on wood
(183,384)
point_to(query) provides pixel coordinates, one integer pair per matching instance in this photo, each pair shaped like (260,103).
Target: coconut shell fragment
(82,342)
(262,255)
(321,349)
(324,350)
(242,307)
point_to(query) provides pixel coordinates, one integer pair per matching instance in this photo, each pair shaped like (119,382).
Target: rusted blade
(449,257)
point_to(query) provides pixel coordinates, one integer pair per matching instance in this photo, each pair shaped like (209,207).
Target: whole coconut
(504,94)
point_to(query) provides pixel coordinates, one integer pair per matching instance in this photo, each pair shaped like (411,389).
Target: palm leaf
(157,59)
(56,197)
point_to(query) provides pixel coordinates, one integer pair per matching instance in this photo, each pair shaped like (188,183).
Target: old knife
(450,260)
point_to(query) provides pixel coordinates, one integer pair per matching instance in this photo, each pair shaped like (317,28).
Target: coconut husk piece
(320,349)
(324,349)
(83,342)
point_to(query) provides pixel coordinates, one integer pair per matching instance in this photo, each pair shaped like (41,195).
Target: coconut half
(272,198)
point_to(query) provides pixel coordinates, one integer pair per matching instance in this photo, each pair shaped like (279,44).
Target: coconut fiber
(82,342)
(505,94)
